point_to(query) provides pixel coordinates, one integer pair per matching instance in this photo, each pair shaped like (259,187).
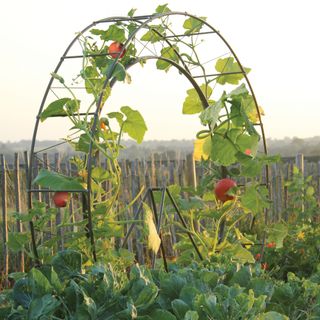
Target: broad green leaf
(188,294)
(134,124)
(248,105)
(55,108)
(18,240)
(277,233)
(254,199)
(239,254)
(179,308)
(115,70)
(241,277)
(113,33)
(228,65)
(52,276)
(271,315)
(67,263)
(191,315)
(118,116)
(223,151)
(39,282)
(171,285)
(161,314)
(93,80)
(22,292)
(207,303)
(168,53)
(210,115)
(83,143)
(239,91)
(250,167)
(156,33)
(146,297)
(193,25)
(56,181)
(163,9)
(192,104)
(262,287)
(246,142)
(100,174)
(43,307)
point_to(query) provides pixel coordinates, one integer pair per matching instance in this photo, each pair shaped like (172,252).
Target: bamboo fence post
(285,190)
(5,270)
(300,166)
(17,191)
(318,182)
(191,171)
(192,181)
(72,218)
(135,188)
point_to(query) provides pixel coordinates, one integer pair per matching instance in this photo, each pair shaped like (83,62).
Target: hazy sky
(277,39)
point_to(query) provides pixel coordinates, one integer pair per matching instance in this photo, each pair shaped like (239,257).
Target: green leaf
(245,141)
(83,143)
(276,233)
(191,315)
(43,307)
(115,70)
(163,9)
(271,315)
(239,91)
(223,151)
(192,104)
(55,108)
(161,314)
(193,25)
(132,12)
(18,240)
(156,33)
(250,167)
(254,199)
(210,115)
(56,181)
(134,124)
(116,115)
(114,33)
(40,284)
(100,174)
(22,292)
(227,65)
(168,53)
(179,308)
(52,276)
(239,254)
(67,263)
(146,297)
(241,277)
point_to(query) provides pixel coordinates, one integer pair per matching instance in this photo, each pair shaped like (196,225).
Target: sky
(277,39)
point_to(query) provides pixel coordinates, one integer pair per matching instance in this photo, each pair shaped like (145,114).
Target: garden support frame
(145,22)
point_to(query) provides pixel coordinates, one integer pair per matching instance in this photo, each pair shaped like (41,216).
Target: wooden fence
(156,171)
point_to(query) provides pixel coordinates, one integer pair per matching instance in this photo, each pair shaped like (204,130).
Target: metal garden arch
(165,36)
